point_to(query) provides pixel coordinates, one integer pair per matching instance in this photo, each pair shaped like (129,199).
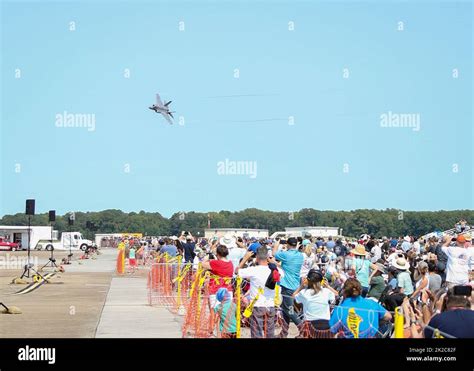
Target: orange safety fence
(185,290)
(169,283)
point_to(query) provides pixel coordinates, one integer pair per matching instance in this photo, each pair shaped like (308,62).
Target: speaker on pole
(30,207)
(52,215)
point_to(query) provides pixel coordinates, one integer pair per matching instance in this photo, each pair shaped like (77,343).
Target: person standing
(460,258)
(263,317)
(188,248)
(223,269)
(361,267)
(291,263)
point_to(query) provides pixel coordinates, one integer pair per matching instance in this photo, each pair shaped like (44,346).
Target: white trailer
(68,241)
(19,234)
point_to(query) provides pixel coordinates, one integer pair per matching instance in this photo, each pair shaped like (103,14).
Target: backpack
(273,278)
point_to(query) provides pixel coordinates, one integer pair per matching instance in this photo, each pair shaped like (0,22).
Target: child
(226,310)
(131,259)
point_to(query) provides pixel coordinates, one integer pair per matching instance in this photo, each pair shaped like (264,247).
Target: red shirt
(222,269)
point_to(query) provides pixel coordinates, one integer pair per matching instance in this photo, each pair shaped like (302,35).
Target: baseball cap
(222,294)
(292,241)
(254,246)
(461,239)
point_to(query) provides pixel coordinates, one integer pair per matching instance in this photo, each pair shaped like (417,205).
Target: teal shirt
(228,321)
(291,262)
(404,282)
(362,271)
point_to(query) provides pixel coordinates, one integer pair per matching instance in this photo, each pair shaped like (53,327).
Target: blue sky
(282,73)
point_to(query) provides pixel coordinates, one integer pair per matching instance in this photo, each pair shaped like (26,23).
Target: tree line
(388,222)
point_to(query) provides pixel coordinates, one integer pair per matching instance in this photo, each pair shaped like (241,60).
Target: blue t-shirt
(364,316)
(291,262)
(458,323)
(330,245)
(172,250)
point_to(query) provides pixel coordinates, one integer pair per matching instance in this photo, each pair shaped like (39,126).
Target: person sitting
(454,317)
(357,317)
(377,282)
(316,296)
(434,279)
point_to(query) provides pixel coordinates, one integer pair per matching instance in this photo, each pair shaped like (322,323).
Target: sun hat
(468,237)
(401,264)
(228,241)
(359,250)
(306,242)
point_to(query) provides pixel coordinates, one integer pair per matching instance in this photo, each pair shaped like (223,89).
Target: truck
(69,240)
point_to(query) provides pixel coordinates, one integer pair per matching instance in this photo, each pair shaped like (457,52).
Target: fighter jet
(159,107)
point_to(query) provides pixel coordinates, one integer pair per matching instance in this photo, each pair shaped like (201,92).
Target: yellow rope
(248,311)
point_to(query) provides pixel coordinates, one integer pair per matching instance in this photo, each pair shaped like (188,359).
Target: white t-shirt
(258,276)
(308,263)
(416,247)
(235,255)
(376,251)
(315,306)
(457,267)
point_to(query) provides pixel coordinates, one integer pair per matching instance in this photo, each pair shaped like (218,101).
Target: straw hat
(359,250)
(401,264)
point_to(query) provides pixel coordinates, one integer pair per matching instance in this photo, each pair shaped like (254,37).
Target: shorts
(132,262)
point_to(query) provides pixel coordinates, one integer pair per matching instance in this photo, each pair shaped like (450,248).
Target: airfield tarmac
(89,300)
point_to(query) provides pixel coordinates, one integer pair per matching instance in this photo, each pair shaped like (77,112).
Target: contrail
(246,121)
(242,95)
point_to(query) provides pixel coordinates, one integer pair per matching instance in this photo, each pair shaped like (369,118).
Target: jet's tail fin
(171,114)
(166,104)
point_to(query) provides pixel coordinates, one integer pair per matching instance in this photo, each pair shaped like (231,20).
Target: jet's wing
(167,117)
(158,100)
